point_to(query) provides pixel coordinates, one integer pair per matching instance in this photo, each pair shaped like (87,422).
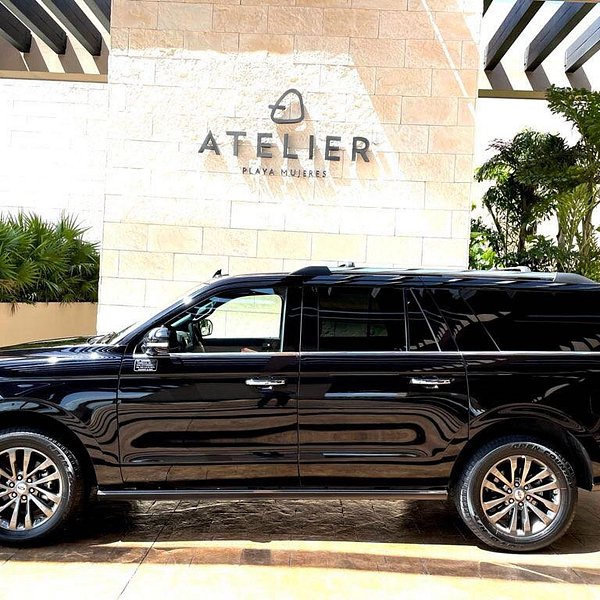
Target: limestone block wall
(401,73)
(53,149)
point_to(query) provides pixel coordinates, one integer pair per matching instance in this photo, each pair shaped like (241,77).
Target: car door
(381,405)
(220,409)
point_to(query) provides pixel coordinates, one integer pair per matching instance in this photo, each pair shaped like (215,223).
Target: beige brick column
(402,73)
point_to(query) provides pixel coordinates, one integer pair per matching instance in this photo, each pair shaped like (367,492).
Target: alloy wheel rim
(31,488)
(520,496)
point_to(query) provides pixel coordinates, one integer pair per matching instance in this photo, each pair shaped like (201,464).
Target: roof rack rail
(572,278)
(518,268)
(312,271)
(517,272)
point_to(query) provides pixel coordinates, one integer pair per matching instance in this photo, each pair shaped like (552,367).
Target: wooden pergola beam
(564,20)
(518,18)
(33,16)
(13,31)
(75,21)
(584,47)
(101,10)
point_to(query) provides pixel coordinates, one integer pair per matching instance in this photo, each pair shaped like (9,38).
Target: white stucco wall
(53,149)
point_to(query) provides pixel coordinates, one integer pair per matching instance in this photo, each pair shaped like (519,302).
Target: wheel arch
(52,426)
(538,428)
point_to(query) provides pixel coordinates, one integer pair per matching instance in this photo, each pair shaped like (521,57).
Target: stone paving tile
(297,549)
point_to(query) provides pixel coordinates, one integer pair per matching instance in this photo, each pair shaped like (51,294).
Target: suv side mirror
(156,341)
(206,327)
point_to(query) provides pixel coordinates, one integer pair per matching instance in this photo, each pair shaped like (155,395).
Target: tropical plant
(46,262)
(577,245)
(527,175)
(537,176)
(582,108)
(482,255)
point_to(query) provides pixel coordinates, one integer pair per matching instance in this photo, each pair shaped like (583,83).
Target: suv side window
(360,319)
(536,320)
(464,327)
(420,333)
(238,320)
(428,330)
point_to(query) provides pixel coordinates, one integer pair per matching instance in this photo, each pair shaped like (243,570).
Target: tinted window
(539,320)
(428,329)
(360,319)
(421,335)
(464,327)
(247,320)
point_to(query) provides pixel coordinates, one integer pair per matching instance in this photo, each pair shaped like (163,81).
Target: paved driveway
(296,549)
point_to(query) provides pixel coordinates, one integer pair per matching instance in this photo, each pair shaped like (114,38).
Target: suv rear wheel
(41,485)
(517,494)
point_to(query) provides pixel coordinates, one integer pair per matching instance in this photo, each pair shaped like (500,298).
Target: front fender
(97,435)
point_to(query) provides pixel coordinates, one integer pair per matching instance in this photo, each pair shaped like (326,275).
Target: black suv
(480,386)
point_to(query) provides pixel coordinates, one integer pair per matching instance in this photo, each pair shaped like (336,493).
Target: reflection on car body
(371,382)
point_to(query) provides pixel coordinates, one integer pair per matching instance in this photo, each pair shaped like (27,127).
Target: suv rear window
(535,320)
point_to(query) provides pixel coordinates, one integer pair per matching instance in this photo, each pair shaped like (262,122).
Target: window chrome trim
(381,352)
(197,354)
(532,352)
(306,353)
(456,352)
(398,353)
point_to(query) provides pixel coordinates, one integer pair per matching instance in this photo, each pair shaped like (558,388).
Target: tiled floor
(297,549)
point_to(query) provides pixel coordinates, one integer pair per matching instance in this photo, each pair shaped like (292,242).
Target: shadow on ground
(347,520)
(409,537)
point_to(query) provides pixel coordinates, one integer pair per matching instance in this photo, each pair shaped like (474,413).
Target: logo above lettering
(280,105)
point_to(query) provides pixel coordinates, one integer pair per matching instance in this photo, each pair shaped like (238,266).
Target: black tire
(526,531)
(65,491)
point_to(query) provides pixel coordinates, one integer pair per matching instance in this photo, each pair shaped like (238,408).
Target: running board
(207,494)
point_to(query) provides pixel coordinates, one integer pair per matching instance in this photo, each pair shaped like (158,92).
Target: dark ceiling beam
(75,21)
(32,15)
(564,20)
(13,31)
(511,28)
(486,5)
(583,48)
(101,10)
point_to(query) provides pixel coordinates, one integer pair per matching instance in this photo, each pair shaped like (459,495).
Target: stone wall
(402,73)
(53,149)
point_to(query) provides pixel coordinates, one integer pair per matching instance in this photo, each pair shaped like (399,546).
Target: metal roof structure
(51,20)
(557,29)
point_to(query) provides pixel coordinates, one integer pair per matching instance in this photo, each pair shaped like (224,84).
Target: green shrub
(42,261)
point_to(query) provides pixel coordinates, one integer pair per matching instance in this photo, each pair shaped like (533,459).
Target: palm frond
(44,261)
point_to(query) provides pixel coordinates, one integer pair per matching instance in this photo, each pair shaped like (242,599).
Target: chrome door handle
(430,381)
(266,383)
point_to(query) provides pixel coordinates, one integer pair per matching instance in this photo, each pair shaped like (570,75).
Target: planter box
(30,322)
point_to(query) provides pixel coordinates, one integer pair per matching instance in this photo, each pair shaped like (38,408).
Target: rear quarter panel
(561,387)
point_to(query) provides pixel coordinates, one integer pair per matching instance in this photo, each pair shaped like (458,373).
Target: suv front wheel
(517,494)
(41,485)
